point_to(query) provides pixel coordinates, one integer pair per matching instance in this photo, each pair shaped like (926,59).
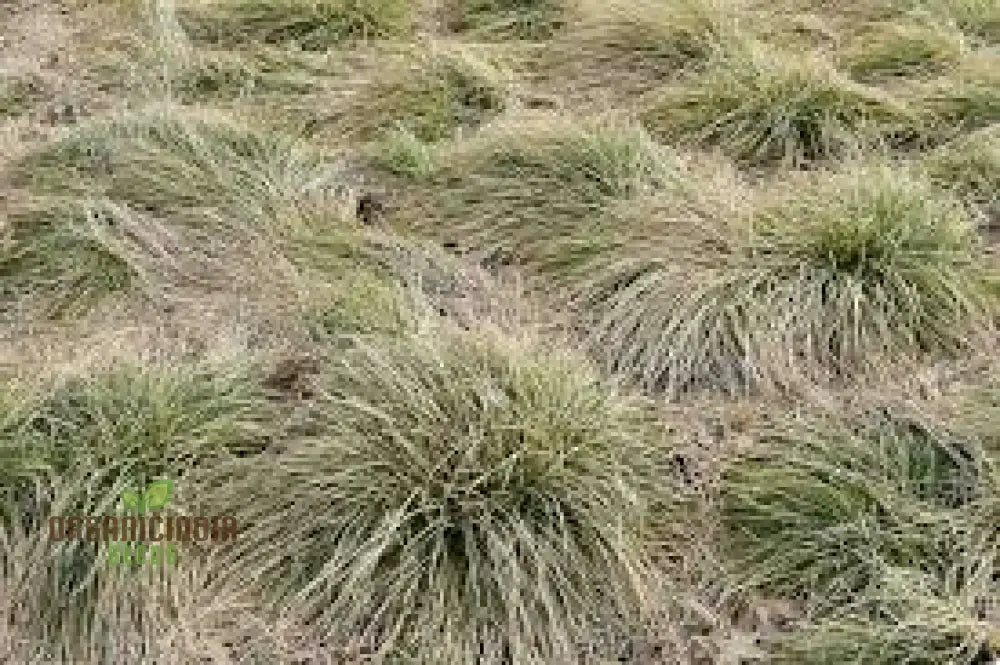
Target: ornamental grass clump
(840,276)
(466,497)
(963,99)
(506,19)
(766,107)
(634,45)
(61,259)
(431,93)
(914,49)
(532,184)
(179,164)
(313,25)
(131,422)
(979,19)
(881,523)
(969,165)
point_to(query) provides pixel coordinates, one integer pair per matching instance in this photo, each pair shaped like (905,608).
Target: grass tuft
(361,302)
(880,523)
(71,444)
(431,94)
(312,25)
(966,99)
(978,18)
(403,154)
(507,19)
(511,332)
(521,185)
(632,45)
(18,95)
(828,279)
(145,421)
(921,620)
(467,496)
(821,507)
(765,107)
(903,49)
(173,165)
(59,261)
(970,165)
(225,76)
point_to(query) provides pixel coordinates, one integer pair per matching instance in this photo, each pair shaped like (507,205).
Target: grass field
(509,332)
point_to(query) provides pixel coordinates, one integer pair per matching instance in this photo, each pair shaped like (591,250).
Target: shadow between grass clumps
(476,492)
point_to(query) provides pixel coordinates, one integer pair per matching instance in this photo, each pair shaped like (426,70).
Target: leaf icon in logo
(158,494)
(131,500)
